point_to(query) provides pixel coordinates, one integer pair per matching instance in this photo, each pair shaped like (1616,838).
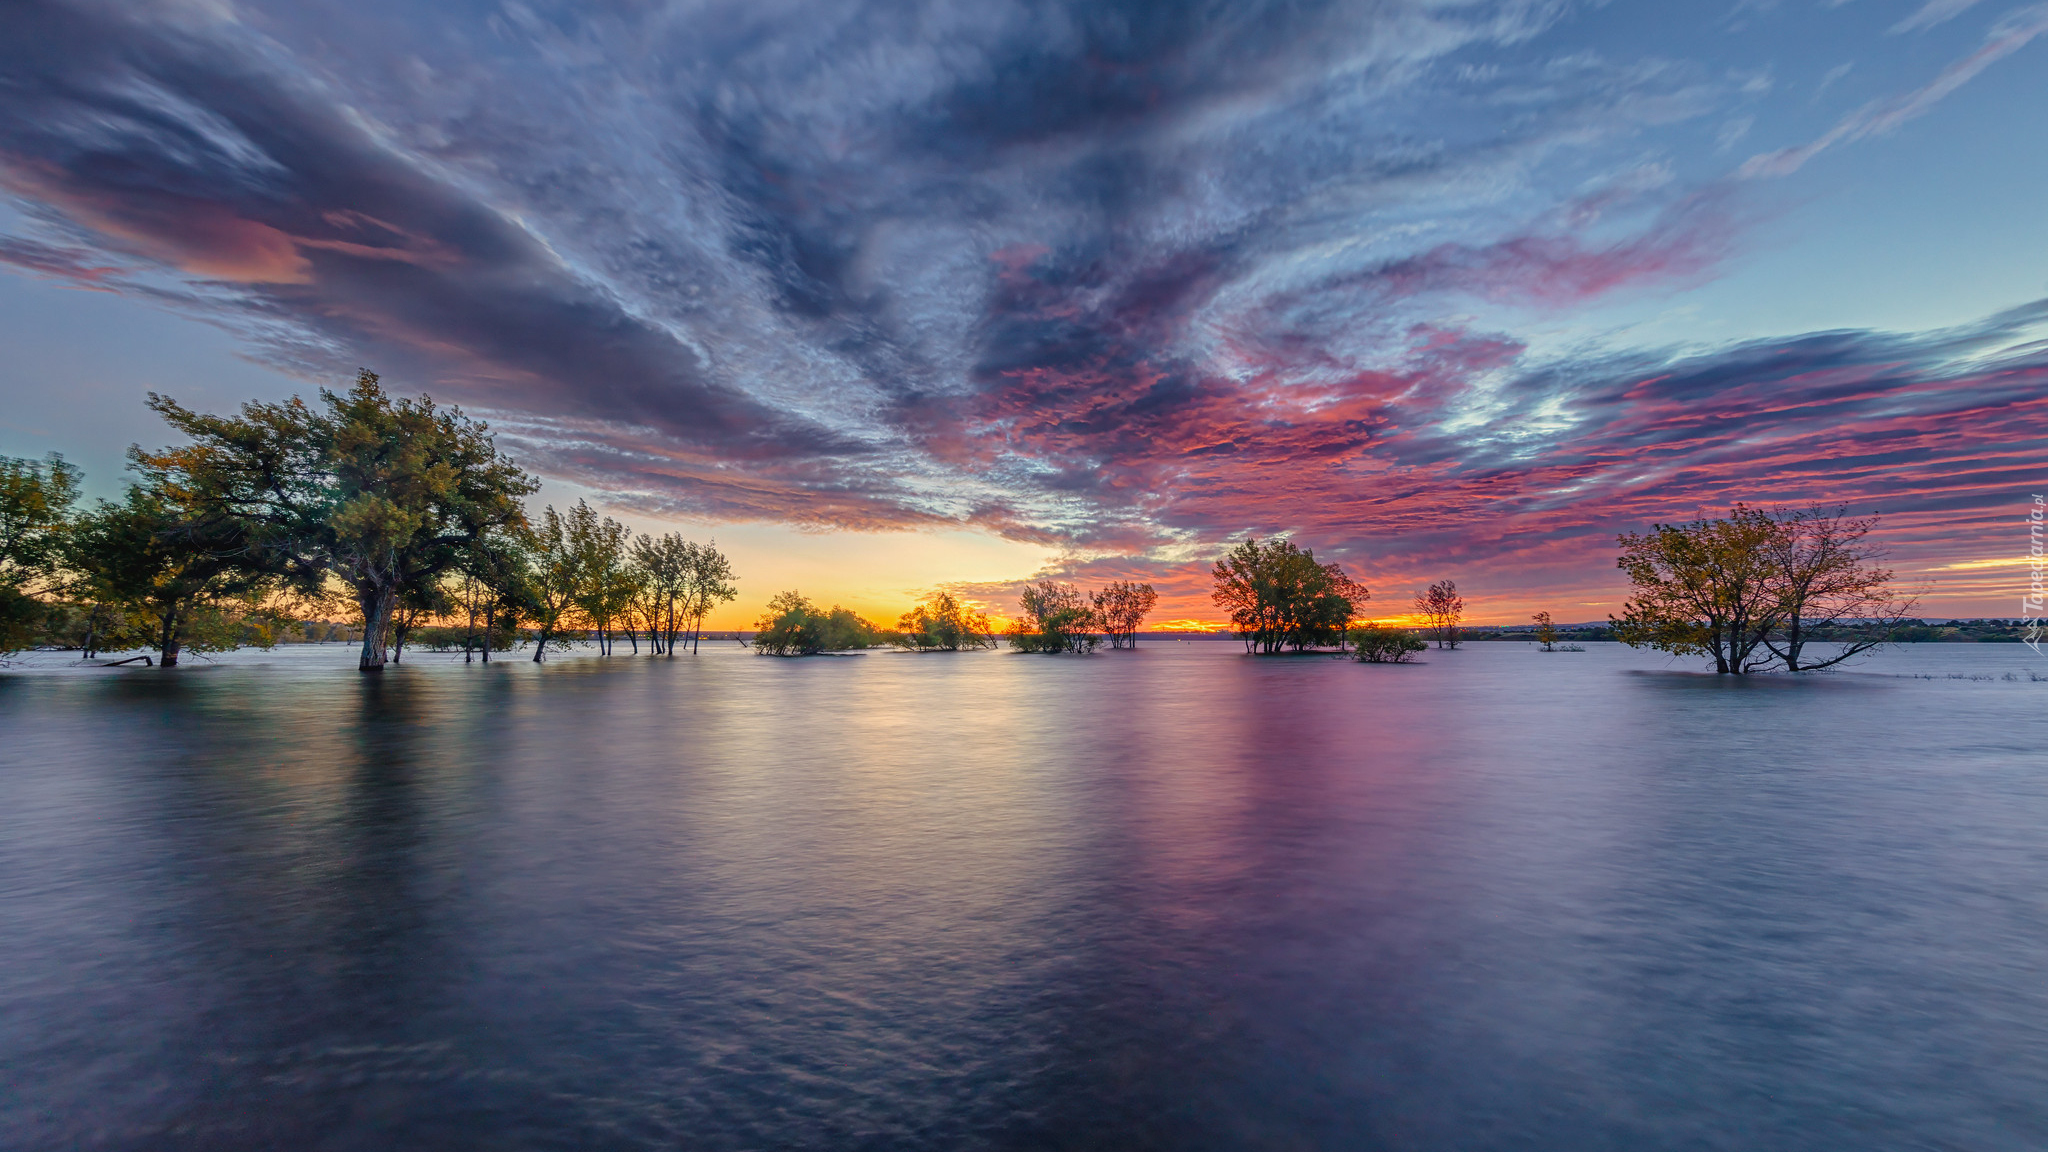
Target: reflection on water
(1172,899)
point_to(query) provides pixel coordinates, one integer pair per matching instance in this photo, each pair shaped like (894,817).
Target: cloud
(1093,275)
(2014,32)
(1931,13)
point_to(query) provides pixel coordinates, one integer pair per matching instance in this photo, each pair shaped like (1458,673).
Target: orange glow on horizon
(1204,626)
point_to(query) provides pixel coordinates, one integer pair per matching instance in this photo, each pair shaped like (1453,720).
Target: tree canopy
(35,504)
(380,493)
(940,623)
(1278,596)
(1441,609)
(793,626)
(1749,589)
(1058,618)
(1120,610)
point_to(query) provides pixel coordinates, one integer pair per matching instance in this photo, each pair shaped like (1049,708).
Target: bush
(1060,620)
(1051,642)
(942,624)
(1377,645)
(796,627)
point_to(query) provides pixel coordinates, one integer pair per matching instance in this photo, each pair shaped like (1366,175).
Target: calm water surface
(1171,899)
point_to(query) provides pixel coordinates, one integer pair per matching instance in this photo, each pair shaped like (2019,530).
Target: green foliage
(940,623)
(381,493)
(793,626)
(1278,596)
(1061,620)
(1702,588)
(35,502)
(609,581)
(1754,588)
(1120,610)
(1379,645)
(556,573)
(90,626)
(158,558)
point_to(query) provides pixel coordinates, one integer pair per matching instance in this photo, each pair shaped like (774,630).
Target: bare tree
(1442,608)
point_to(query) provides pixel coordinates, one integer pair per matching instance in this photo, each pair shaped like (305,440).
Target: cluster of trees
(1752,589)
(576,572)
(126,574)
(403,508)
(1278,596)
(1378,644)
(794,626)
(1060,618)
(940,623)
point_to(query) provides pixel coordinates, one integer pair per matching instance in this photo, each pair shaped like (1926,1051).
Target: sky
(887,297)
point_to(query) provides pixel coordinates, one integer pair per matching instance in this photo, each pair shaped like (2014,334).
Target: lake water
(1170,899)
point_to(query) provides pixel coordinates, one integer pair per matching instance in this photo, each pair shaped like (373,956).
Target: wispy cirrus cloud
(1933,12)
(2012,33)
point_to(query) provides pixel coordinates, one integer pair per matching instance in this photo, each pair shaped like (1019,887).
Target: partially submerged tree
(608,582)
(1120,610)
(1059,619)
(1377,644)
(709,583)
(1442,610)
(556,576)
(793,626)
(1546,632)
(667,563)
(1821,564)
(790,627)
(35,505)
(417,604)
(495,583)
(1278,596)
(380,493)
(940,623)
(1755,589)
(178,568)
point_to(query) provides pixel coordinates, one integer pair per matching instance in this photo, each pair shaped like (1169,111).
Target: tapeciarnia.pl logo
(2036,601)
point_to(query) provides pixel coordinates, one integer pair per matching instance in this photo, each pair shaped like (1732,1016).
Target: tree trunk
(168,643)
(490,620)
(376,604)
